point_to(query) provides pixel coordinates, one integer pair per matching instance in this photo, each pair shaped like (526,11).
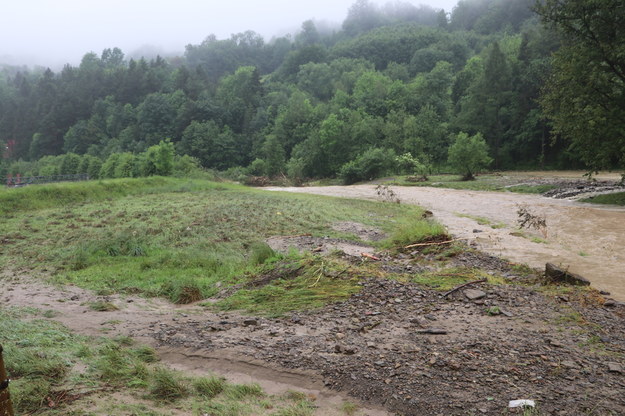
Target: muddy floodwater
(587,239)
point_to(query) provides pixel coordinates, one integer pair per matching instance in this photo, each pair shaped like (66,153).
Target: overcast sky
(54,32)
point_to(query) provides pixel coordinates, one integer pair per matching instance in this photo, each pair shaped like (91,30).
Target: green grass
(315,282)
(483,182)
(412,231)
(482,221)
(609,199)
(448,278)
(531,189)
(47,364)
(167,237)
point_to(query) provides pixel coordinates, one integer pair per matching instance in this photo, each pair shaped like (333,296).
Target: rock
(434,331)
(615,368)
(250,322)
(610,303)
(349,350)
(604,293)
(569,364)
(477,231)
(557,274)
(474,294)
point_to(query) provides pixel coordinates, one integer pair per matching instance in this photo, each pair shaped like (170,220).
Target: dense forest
(395,82)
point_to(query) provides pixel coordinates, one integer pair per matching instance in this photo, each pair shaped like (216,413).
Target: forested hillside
(394,80)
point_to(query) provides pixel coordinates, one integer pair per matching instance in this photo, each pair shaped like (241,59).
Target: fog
(55,32)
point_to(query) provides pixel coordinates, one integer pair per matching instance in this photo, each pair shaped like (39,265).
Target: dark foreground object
(6,409)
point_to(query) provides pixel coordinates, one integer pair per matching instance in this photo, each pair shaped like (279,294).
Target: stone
(250,322)
(474,294)
(610,303)
(557,274)
(434,331)
(615,368)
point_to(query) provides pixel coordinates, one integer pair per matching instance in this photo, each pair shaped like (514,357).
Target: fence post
(6,409)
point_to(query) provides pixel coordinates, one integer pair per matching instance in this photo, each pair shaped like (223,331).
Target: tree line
(394,81)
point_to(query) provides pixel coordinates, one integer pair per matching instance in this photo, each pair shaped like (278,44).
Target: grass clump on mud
(617,198)
(296,284)
(53,372)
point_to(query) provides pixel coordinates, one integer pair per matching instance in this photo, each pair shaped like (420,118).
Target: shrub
(371,164)
(468,154)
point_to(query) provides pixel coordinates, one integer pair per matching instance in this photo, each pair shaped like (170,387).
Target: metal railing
(17,180)
(6,409)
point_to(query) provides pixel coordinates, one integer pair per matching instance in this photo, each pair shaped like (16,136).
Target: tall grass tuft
(415,231)
(209,387)
(167,386)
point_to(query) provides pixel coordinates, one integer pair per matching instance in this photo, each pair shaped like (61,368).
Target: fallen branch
(463,285)
(436,244)
(370,256)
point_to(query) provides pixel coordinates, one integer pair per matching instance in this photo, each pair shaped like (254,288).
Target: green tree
(585,96)
(158,159)
(468,154)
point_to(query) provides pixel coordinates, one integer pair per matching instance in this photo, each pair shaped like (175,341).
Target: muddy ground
(396,348)
(587,239)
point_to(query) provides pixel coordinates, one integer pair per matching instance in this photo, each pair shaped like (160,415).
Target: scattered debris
(521,403)
(463,285)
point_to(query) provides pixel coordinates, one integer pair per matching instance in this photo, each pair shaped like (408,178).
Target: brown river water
(587,239)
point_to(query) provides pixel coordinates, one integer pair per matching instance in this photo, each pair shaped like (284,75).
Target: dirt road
(585,238)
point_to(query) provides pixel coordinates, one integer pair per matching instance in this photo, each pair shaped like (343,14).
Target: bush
(158,159)
(468,154)
(370,165)
(109,166)
(410,165)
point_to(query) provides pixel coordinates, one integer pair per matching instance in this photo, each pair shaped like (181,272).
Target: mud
(587,239)
(143,319)
(397,347)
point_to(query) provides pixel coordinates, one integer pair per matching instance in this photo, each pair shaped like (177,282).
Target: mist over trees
(394,80)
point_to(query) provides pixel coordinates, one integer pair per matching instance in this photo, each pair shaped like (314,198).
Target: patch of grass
(530,189)
(414,231)
(538,240)
(167,386)
(169,237)
(314,282)
(449,278)
(301,408)
(209,387)
(242,391)
(483,221)
(45,362)
(349,408)
(103,306)
(617,198)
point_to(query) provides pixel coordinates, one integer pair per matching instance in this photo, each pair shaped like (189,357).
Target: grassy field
(175,238)
(484,182)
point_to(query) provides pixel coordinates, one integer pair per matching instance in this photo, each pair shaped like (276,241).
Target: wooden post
(6,409)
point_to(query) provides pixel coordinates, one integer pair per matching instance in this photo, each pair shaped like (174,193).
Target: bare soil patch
(322,245)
